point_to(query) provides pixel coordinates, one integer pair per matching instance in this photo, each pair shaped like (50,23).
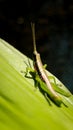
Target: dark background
(54,32)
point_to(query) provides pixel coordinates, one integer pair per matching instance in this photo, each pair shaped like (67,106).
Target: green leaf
(23,107)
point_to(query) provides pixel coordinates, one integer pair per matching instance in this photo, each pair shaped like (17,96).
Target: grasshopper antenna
(33,35)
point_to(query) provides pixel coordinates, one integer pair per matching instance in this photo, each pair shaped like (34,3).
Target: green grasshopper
(39,74)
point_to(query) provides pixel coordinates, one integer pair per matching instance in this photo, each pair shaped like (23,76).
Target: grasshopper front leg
(27,72)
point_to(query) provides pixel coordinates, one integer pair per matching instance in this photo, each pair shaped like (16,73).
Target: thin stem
(33,34)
